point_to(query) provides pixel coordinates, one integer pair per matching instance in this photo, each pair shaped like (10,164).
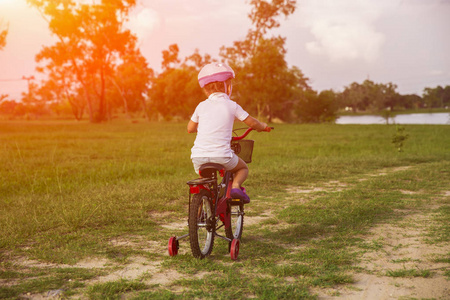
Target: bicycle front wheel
(237,222)
(201,225)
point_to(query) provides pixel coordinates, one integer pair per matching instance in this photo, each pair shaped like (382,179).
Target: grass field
(81,205)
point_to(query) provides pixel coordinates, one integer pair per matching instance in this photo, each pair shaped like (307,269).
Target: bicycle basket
(243,149)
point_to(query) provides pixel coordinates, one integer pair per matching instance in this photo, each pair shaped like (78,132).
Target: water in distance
(430,118)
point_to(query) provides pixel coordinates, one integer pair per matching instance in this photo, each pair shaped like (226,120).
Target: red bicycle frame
(222,205)
(219,201)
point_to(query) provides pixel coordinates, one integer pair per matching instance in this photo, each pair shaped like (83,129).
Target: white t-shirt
(215,117)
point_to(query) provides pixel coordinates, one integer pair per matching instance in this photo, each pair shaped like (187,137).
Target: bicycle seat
(209,169)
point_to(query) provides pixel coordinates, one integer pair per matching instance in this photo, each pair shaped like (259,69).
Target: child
(213,121)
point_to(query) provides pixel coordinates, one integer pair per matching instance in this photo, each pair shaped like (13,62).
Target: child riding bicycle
(213,122)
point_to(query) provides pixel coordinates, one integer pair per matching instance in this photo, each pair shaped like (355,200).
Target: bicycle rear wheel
(201,225)
(237,222)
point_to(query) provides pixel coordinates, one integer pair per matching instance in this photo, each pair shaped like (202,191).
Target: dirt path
(403,265)
(399,248)
(402,246)
(402,250)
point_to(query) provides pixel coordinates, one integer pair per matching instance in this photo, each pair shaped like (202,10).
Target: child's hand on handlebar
(262,127)
(266,127)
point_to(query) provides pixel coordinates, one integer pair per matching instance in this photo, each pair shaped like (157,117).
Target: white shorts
(228,162)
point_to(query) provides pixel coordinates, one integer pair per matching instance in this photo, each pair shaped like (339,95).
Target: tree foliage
(3,34)
(175,92)
(369,96)
(437,97)
(265,84)
(316,107)
(92,48)
(376,97)
(95,68)
(131,81)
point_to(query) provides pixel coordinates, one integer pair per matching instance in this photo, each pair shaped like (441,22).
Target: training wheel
(234,251)
(173,246)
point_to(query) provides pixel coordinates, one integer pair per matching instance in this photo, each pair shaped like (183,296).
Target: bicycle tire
(201,231)
(237,222)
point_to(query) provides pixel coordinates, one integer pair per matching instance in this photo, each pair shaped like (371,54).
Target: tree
(266,85)
(437,97)
(353,97)
(446,97)
(170,57)
(369,96)
(175,92)
(196,60)
(263,16)
(92,42)
(7,106)
(390,98)
(410,101)
(316,108)
(34,101)
(131,81)
(3,34)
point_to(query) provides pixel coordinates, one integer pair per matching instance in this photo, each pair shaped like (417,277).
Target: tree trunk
(144,108)
(102,102)
(125,104)
(88,100)
(259,110)
(77,109)
(269,114)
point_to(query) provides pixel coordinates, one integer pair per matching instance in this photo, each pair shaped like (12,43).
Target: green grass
(40,280)
(68,189)
(113,290)
(441,231)
(409,273)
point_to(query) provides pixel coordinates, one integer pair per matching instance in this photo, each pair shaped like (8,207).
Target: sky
(333,42)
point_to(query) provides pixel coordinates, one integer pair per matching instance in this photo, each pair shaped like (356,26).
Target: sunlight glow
(5,2)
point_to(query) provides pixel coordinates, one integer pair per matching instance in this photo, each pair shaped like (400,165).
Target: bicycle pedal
(236,200)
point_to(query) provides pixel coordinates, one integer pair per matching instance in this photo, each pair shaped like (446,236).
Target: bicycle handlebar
(237,138)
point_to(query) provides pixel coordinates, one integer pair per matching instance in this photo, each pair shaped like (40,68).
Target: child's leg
(240,174)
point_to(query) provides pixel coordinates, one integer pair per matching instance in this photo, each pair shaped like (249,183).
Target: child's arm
(192,127)
(255,124)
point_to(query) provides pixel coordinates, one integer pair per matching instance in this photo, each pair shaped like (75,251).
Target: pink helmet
(214,72)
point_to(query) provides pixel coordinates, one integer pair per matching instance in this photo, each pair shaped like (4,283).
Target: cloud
(144,22)
(344,29)
(436,72)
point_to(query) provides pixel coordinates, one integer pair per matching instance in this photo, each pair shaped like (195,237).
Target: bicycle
(211,207)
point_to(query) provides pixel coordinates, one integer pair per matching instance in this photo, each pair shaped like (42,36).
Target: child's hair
(216,87)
